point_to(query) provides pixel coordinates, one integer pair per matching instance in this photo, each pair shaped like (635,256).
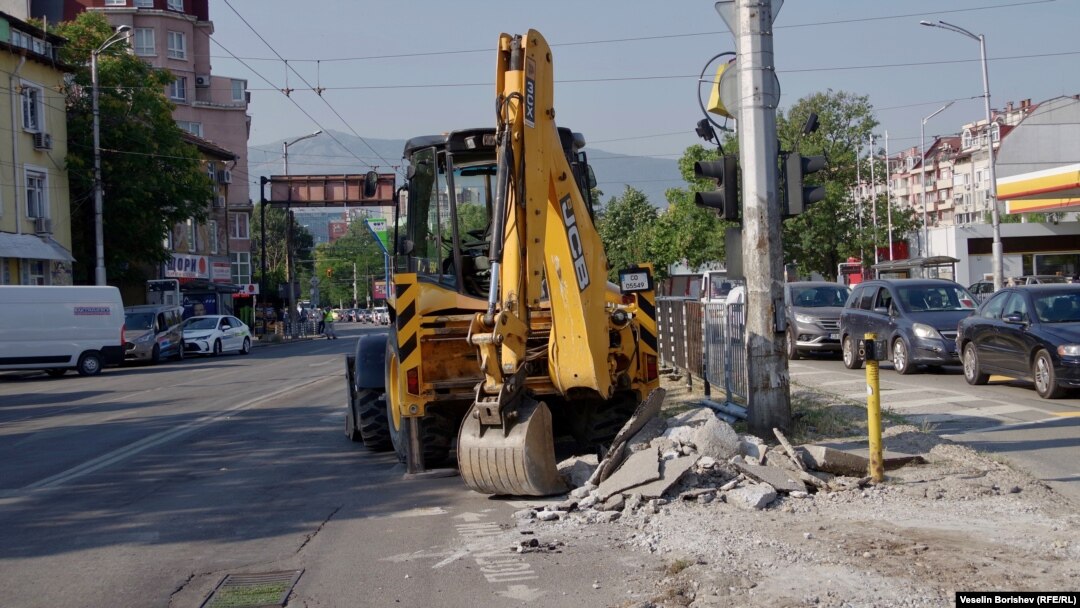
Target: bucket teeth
(518,463)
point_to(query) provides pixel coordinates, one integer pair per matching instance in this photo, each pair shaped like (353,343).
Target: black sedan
(1030,332)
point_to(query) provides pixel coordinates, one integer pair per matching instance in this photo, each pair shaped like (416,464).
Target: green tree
(828,233)
(357,249)
(626,228)
(151,178)
(303,243)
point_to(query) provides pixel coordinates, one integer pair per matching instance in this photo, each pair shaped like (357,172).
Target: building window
(191,235)
(176,5)
(144,42)
(144,3)
(995,133)
(35,272)
(168,242)
(32,107)
(238,89)
(115,2)
(177,45)
(966,140)
(178,89)
(241,267)
(238,225)
(195,128)
(211,233)
(37,205)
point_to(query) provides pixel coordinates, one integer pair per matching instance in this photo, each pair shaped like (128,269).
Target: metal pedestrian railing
(707,341)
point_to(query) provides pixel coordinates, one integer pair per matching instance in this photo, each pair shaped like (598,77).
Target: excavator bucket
(518,463)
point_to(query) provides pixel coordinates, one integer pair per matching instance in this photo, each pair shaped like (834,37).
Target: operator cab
(443,220)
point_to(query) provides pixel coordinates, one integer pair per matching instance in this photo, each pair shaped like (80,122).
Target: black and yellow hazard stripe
(406,319)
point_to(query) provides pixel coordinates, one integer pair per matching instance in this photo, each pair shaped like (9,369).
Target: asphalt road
(1005,417)
(144,486)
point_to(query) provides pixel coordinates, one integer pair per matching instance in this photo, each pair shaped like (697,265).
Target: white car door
(228,335)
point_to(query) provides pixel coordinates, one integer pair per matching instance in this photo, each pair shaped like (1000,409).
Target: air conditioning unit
(202,80)
(225,176)
(219,202)
(42,225)
(42,141)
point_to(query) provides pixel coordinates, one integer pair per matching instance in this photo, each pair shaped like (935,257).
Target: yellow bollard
(873,410)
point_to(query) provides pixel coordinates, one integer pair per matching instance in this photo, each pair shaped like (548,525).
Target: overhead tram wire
(318,91)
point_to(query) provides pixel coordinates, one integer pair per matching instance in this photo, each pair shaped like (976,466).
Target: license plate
(834,336)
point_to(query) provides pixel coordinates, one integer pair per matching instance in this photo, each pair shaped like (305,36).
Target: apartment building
(35,213)
(175,35)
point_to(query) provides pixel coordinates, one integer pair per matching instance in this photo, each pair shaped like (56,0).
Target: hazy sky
(626,71)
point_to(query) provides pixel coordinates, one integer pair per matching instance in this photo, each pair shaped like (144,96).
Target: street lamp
(99,225)
(994,218)
(288,233)
(922,163)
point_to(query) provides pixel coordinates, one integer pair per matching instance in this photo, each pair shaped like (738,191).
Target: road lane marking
(944,400)
(813,373)
(1066,414)
(121,454)
(993,410)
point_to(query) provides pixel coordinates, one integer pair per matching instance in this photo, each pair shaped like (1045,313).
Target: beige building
(35,216)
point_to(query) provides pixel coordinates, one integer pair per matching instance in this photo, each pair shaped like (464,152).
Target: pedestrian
(328,319)
(322,322)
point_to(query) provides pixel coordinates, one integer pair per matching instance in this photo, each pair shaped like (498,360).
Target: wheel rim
(1042,374)
(790,344)
(899,356)
(848,354)
(247,345)
(90,364)
(969,362)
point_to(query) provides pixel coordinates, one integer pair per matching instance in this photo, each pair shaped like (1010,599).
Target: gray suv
(813,317)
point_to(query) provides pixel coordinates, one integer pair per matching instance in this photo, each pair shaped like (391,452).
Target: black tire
(605,420)
(180,352)
(351,431)
(1042,372)
(972,372)
(437,433)
(370,418)
(850,353)
(791,346)
(155,355)
(217,347)
(901,358)
(246,348)
(89,363)
(56,373)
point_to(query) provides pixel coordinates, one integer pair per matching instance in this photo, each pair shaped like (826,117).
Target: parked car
(813,316)
(1028,332)
(1037,279)
(916,318)
(982,290)
(381,316)
(216,334)
(152,332)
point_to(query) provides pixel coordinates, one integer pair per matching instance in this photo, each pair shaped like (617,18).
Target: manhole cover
(259,590)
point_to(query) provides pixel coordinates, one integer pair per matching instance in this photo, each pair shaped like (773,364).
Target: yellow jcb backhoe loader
(507,337)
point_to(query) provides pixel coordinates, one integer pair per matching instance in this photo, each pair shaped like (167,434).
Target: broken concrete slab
(577,471)
(892,459)
(645,411)
(639,468)
(613,503)
(830,460)
(752,448)
(752,497)
(641,440)
(670,472)
(779,479)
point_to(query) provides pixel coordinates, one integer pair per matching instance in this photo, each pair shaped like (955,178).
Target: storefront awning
(32,247)
(1056,189)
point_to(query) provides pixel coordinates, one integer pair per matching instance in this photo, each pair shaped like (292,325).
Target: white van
(60,328)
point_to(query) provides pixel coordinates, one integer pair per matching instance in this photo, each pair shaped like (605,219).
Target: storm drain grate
(259,590)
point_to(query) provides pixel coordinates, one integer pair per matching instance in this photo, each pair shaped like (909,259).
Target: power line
(319,90)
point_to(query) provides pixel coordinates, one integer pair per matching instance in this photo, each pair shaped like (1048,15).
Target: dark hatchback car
(1030,332)
(813,314)
(916,318)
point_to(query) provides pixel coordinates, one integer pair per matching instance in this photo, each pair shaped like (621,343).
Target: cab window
(993,308)
(884,299)
(1017,305)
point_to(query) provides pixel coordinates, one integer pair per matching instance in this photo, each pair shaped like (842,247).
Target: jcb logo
(573,236)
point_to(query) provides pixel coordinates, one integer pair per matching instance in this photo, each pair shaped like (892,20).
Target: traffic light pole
(768,398)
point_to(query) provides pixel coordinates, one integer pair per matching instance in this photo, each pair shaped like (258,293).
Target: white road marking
(993,410)
(942,400)
(522,593)
(838,382)
(121,454)
(812,373)
(885,392)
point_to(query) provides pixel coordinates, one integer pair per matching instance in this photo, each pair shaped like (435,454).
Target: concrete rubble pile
(696,456)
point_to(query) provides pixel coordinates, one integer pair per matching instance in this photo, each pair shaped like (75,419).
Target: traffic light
(329,273)
(797,195)
(726,196)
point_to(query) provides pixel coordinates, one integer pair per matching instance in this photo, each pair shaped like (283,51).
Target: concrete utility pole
(769,401)
(873,189)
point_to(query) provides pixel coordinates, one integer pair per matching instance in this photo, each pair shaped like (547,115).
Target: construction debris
(795,456)
(775,477)
(641,467)
(752,497)
(577,471)
(646,411)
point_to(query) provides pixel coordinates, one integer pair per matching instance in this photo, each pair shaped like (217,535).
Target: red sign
(378,290)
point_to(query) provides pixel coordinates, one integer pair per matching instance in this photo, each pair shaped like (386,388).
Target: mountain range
(342,153)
